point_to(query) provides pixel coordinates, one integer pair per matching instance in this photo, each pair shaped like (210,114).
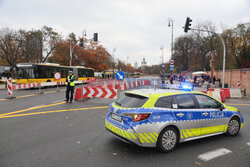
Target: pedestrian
(171,80)
(70,83)
(195,79)
(214,79)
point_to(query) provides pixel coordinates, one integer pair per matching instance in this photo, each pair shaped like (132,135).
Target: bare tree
(50,39)
(10,46)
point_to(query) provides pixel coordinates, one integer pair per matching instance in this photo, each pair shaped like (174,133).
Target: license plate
(116,117)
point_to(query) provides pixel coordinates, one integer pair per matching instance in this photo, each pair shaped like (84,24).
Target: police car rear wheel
(233,127)
(167,140)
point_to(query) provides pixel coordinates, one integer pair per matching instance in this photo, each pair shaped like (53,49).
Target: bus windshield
(25,73)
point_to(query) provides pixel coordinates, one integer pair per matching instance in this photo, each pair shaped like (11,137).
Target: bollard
(57,88)
(10,89)
(40,90)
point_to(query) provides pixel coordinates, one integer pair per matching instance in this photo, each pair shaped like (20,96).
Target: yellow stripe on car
(196,131)
(213,129)
(127,135)
(146,137)
(133,135)
(203,131)
(188,132)
(184,133)
(153,136)
(149,137)
(156,134)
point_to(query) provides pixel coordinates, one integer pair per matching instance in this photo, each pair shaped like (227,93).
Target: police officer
(70,83)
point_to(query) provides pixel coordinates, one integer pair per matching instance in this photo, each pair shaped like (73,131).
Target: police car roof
(147,92)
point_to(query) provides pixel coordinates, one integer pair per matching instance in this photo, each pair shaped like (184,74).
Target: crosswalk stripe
(214,154)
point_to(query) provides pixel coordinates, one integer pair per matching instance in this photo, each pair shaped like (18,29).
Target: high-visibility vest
(71,83)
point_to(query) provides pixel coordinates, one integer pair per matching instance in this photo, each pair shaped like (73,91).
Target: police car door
(188,115)
(212,115)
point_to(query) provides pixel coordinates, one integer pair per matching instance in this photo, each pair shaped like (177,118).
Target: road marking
(57,101)
(49,92)
(49,112)
(38,107)
(214,154)
(237,104)
(29,95)
(18,97)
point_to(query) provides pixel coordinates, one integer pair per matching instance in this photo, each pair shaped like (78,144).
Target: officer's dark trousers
(70,90)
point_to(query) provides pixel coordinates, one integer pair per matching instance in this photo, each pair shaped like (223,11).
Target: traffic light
(81,42)
(188,23)
(96,37)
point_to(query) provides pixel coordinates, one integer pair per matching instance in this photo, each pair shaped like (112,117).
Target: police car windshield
(131,101)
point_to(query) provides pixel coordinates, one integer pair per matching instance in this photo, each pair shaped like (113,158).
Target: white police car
(162,118)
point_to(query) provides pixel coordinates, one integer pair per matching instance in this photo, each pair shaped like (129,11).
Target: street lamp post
(162,49)
(83,35)
(224,52)
(171,23)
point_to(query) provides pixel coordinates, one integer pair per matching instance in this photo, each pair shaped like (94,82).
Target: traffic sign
(57,75)
(171,67)
(171,61)
(120,75)
(163,65)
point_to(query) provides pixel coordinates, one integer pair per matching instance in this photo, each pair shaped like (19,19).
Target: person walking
(171,79)
(70,83)
(195,79)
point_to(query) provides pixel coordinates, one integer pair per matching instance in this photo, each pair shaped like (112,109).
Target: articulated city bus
(44,72)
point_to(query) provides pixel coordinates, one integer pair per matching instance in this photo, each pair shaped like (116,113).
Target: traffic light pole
(71,52)
(224,52)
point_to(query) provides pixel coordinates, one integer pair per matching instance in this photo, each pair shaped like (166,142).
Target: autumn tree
(92,54)
(96,56)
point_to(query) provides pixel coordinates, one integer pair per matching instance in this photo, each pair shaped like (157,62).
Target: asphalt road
(42,130)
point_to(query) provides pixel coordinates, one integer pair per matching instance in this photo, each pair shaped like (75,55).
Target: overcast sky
(136,28)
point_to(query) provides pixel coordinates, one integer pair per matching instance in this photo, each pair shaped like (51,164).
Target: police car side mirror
(222,107)
(175,106)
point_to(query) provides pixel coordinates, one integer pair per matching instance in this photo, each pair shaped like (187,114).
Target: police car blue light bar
(185,86)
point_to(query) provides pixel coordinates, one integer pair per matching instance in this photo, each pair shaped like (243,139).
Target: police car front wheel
(233,127)
(167,140)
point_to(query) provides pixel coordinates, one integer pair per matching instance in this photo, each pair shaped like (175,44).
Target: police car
(163,118)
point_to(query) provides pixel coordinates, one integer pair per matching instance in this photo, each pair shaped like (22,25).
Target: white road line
(37,106)
(248,143)
(214,154)
(58,101)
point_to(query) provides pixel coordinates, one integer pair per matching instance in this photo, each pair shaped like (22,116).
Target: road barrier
(26,86)
(101,92)
(235,92)
(108,89)
(10,88)
(226,92)
(223,93)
